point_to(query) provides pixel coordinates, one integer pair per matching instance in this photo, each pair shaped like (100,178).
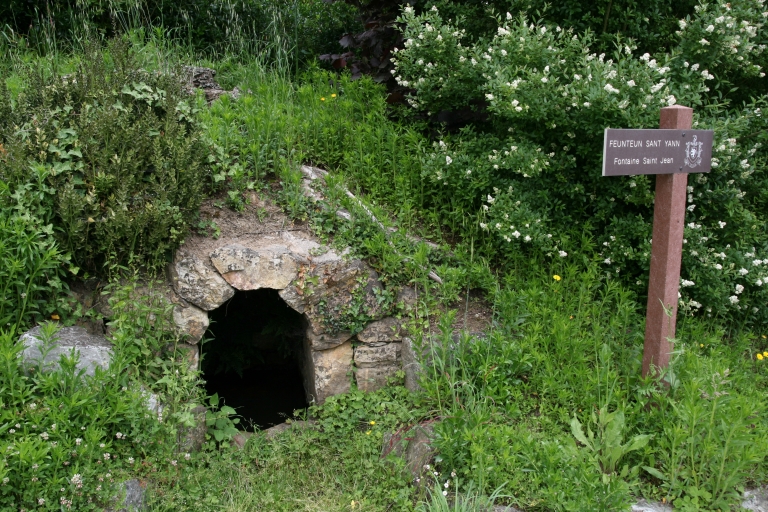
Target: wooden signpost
(671,152)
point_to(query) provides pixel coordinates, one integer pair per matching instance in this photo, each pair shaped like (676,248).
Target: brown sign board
(631,152)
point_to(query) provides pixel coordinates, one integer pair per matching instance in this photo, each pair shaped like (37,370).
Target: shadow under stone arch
(255,357)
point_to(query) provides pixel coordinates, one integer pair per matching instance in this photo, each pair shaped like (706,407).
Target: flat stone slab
(248,269)
(385,330)
(370,357)
(198,284)
(332,369)
(94,351)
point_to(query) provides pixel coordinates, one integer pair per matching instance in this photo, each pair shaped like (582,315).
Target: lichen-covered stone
(248,269)
(94,351)
(373,356)
(191,321)
(326,291)
(332,369)
(324,340)
(371,379)
(385,330)
(198,284)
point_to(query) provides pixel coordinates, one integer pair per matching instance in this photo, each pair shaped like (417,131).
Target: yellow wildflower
(556,277)
(372,422)
(701,345)
(369,432)
(765,354)
(759,357)
(333,95)
(322,99)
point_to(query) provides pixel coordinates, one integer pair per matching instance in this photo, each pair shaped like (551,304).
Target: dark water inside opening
(252,358)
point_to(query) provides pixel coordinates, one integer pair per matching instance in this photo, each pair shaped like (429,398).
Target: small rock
(94,351)
(419,451)
(249,269)
(198,284)
(134,495)
(241,438)
(756,499)
(385,330)
(371,379)
(332,369)
(393,444)
(650,506)
(191,322)
(191,353)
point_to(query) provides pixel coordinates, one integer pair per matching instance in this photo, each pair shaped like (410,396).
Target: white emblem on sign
(693,152)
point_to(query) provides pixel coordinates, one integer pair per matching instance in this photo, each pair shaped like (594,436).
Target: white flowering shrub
(531,174)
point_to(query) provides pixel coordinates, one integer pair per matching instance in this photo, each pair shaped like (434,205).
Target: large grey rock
(198,284)
(332,368)
(248,269)
(191,321)
(371,379)
(385,330)
(94,351)
(377,356)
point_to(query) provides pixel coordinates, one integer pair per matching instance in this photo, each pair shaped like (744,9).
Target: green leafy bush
(31,264)
(67,438)
(529,176)
(116,152)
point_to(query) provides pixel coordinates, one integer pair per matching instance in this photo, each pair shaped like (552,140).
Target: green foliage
(63,430)
(31,264)
(526,179)
(221,425)
(606,441)
(513,403)
(115,157)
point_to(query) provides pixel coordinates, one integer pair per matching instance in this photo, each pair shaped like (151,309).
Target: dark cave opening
(253,358)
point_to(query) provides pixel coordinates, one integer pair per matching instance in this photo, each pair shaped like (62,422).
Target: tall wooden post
(666,253)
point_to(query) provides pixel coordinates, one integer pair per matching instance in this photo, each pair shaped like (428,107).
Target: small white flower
(710,28)
(586,103)
(489,97)
(527,238)
(687,283)
(562,254)
(516,234)
(743,271)
(607,261)
(759,282)
(448,160)
(131,460)
(739,289)
(610,89)
(757,262)
(734,299)
(703,42)
(631,83)
(682,24)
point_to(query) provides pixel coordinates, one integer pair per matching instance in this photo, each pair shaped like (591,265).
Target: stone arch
(316,282)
